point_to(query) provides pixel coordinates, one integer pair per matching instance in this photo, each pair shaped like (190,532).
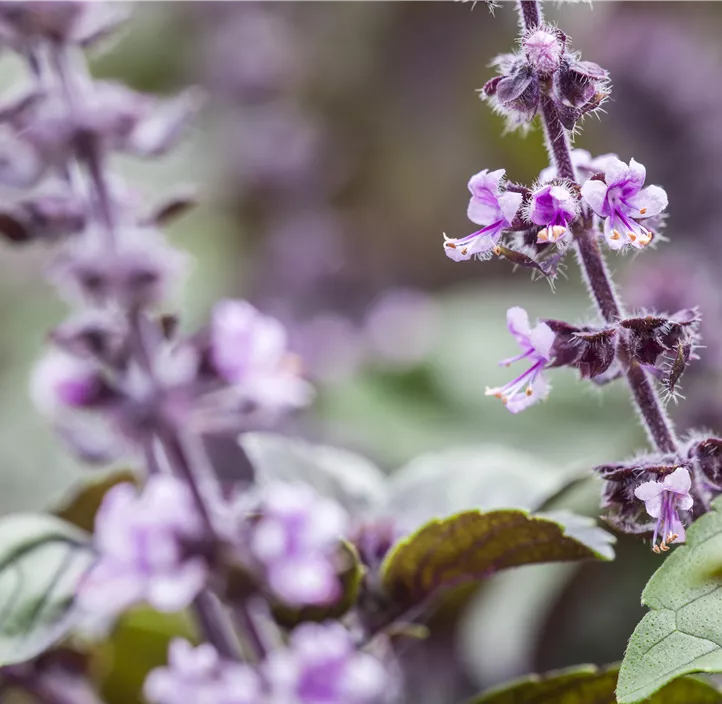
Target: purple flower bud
(621,201)
(553,207)
(489,206)
(321,664)
(576,83)
(516,92)
(199,675)
(651,336)
(149,549)
(249,350)
(587,349)
(664,500)
(543,49)
(536,344)
(296,541)
(138,271)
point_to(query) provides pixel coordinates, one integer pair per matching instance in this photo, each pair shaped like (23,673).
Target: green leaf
(80,507)
(472,545)
(42,561)
(682,633)
(590,685)
(138,643)
(350,479)
(480,477)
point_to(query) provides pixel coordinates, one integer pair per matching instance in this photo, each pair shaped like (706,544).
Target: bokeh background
(333,149)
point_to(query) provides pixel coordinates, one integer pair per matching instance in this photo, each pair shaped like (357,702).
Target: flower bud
(516,93)
(576,83)
(543,49)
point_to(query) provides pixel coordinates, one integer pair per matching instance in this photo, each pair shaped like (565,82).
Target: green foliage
(138,644)
(42,561)
(590,685)
(682,633)
(81,506)
(472,545)
(350,479)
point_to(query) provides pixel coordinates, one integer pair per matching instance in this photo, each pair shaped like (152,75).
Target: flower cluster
(320,664)
(580,202)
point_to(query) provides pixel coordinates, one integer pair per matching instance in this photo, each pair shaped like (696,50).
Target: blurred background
(333,150)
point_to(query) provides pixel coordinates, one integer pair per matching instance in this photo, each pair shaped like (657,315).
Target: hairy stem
(654,418)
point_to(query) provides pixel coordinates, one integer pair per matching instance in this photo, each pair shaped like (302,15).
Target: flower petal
(509,203)
(616,239)
(540,389)
(595,194)
(684,503)
(636,175)
(616,172)
(679,481)
(517,322)
(652,200)
(542,338)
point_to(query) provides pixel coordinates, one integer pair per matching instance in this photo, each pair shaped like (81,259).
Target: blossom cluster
(121,381)
(582,202)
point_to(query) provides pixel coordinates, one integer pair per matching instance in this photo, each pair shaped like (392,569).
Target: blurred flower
(249,350)
(489,206)
(149,548)
(553,207)
(296,539)
(536,344)
(140,270)
(620,199)
(663,501)
(61,381)
(198,675)
(321,664)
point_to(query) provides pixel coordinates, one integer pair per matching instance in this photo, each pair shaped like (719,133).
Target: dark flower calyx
(587,349)
(651,336)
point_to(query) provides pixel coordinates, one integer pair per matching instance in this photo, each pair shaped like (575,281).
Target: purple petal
(651,493)
(616,239)
(485,181)
(595,194)
(616,172)
(542,338)
(176,591)
(509,203)
(539,391)
(465,248)
(648,202)
(517,322)
(637,174)
(679,481)
(684,503)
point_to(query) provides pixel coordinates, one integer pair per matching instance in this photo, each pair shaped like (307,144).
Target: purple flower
(621,200)
(199,675)
(536,344)
(249,350)
(663,501)
(552,207)
(296,541)
(322,666)
(147,545)
(489,206)
(62,382)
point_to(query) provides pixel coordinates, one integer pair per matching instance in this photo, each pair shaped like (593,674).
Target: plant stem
(594,269)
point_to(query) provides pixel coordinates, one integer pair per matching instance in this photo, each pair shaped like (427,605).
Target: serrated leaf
(591,685)
(480,477)
(682,633)
(42,561)
(472,545)
(353,481)
(80,507)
